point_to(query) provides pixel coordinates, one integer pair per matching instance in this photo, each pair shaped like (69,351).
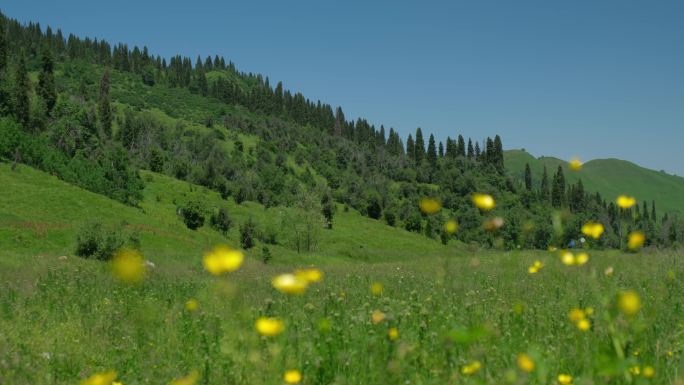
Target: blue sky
(594,79)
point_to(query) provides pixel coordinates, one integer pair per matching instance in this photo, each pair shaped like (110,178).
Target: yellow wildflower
(625,202)
(451,226)
(191,304)
(269,327)
(575,164)
(289,284)
(635,370)
(292,376)
(309,275)
(430,205)
(536,266)
(483,201)
(223,259)
(583,325)
(525,363)
(564,379)
(568,258)
(393,334)
(581,258)
(629,302)
(104,378)
(377,316)
(190,379)
(471,368)
(635,240)
(591,229)
(377,288)
(576,315)
(128,267)
(649,372)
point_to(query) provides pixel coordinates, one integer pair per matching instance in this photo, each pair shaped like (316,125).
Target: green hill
(610,177)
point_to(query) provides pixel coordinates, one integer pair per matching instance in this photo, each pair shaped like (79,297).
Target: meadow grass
(62,320)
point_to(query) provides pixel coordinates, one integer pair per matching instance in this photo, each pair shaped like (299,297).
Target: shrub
(390,218)
(266,255)
(248,234)
(221,221)
(96,242)
(193,214)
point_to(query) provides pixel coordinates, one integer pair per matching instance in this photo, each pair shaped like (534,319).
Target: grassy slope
(44,214)
(610,177)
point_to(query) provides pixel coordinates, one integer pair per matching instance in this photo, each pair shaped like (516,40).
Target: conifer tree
(544,189)
(654,218)
(432,151)
(478,152)
(104,107)
(420,146)
(471,151)
(460,147)
(497,156)
(4,96)
(46,80)
(441,150)
(21,93)
(528,177)
(411,148)
(558,189)
(202,81)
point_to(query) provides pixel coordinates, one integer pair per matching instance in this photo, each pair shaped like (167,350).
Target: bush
(193,214)
(221,221)
(266,255)
(390,218)
(96,242)
(413,223)
(248,232)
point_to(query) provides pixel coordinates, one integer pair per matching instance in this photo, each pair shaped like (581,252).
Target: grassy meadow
(451,314)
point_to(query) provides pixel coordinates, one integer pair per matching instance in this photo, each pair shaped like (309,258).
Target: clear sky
(594,79)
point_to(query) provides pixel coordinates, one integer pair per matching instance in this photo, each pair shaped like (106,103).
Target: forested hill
(94,114)
(610,177)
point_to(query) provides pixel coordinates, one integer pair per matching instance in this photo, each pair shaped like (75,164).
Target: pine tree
(528,177)
(46,80)
(441,150)
(558,189)
(21,93)
(5,105)
(654,218)
(460,147)
(471,151)
(3,49)
(478,152)
(420,146)
(432,151)
(411,148)
(544,189)
(497,156)
(104,107)
(202,81)
(450,148)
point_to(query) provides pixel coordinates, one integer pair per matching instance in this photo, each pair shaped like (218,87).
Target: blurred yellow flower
(568,258)
(536,266)
(269,327)
(191,304)
(292,376)
(576,315)
(635,370)
(564,379)
(575,164)
(483,201)
(635,240)
(625,202)
(289,284)
(104,378)
(592,229)
(583,325)
(430,205)
(309,275)
(377,316)
(128,266)
(190,379)
(393,334)
(581,258)
(117,383)
(649,372)
(223,259)
(629,302)
(451,226)
(471,368)
(377,288)
(525,363)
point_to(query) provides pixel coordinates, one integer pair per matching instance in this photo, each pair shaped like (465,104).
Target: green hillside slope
(610,177)
(41,214)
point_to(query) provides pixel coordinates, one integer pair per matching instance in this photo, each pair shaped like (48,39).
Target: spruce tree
(471,151)
(528,177)
(5,106)
(432,151)
(441,150)
(202,82)
(21,93)
(3,49)
(558,189)
(498,157)
(46,80)
(420,146)
(478,152)
(450,148)
(411,148)
(654,218)
(104,107)
(544,189)
(460,147)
